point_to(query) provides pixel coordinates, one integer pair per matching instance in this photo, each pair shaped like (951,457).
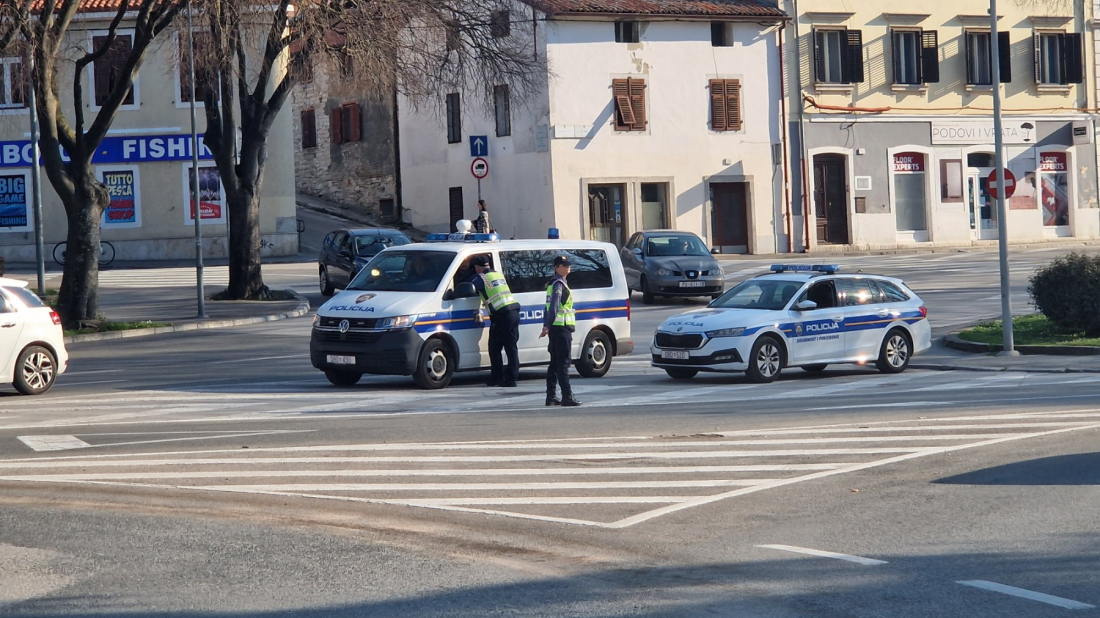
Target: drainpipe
(801,130)
(786,143)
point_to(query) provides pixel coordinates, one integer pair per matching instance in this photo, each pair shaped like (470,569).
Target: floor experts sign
(116,149)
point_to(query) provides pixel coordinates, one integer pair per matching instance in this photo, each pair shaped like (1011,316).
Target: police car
(412,309)
(797,316)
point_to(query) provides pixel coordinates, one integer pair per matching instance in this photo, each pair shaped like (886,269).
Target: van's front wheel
(595,359)
(435,365)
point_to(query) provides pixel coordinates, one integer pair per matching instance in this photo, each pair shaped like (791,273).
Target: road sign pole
(1002,212)
(479,189)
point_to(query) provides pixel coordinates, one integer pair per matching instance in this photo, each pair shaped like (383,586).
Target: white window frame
(7,84)
(970,58)
(26,173)
(135,169)
(916,57)
(187,220)
(931,192)
(1042,34)
(840,34)
(1070,229)
(90,89)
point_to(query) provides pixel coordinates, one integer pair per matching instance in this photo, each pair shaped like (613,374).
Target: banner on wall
(123,209)
(912,162)
(1054,171)
(211,197)
(14,208)
(116,149)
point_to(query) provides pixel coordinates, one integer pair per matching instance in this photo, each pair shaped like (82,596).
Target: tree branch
(272,49)
(78,74)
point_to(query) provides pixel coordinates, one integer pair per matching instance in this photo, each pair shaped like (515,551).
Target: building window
(725,105)
(110,68)
(454,36)
(346,123)
(910,198)
(626,32)
(500,24)
(629,96)
(720,34)
(979,65)
(502,110)
(951,180)
(838,56)
(455,203)
(309,129)
(916,57)
(13,89)
(206,78)
(454,118)
(1059,58)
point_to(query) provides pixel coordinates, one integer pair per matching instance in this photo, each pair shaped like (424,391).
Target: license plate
(340,360)
(693,284)
(674,354)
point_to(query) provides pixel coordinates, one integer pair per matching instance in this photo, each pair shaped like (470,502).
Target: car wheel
(647,296)
(35,370)
(766,360)
(435,366)
(818,368)
(680,373)
(595,358)
(893,356)
(326,284)
(340,377)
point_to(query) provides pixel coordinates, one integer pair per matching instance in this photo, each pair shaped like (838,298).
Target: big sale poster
(123,211)
(14,207)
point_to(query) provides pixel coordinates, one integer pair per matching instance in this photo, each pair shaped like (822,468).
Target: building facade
(145,161)
(893,123)
(655,115)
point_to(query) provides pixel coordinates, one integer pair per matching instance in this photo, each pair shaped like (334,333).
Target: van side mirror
(715,251)
(805,305)
(636,251)
(465,290)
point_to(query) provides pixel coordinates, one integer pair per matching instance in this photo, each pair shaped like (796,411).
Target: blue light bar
(436,238)
(817,268)
(494,237)
(460,237)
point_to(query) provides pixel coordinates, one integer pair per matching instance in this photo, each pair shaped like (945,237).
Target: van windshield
(404,271)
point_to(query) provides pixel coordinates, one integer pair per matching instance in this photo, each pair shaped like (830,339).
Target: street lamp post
(195,202)
(36,182)
(1002,214)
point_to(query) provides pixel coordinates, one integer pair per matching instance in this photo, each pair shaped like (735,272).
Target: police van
(797,316)
(412,310)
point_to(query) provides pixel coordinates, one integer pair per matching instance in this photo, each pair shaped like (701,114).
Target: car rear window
(532,271)
(23,295)
(893,293)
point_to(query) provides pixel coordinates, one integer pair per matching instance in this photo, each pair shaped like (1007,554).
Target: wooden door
(730,221)
(831,199)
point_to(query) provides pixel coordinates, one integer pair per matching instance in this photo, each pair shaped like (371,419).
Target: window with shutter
(337,125)
(725,105)
(1004,43)
(309,129)
(629,98)
(502,110)
(13,89)
(206,77)
(351,118)
(1059,58)
(930,56)
(109,70)
(454,118)
(500,24)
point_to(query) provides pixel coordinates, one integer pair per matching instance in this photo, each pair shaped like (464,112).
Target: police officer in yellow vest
(504,325)
(559,322)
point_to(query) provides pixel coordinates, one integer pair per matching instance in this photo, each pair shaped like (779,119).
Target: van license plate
(341,360)
(693,284)
(674,354)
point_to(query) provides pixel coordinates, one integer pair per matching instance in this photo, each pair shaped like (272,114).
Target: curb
(952,340)
(300,310)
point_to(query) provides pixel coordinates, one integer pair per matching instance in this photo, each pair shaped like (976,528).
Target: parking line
(826,554)
(1026,594)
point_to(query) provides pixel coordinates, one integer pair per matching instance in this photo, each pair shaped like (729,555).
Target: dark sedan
(671,263)
(345,252)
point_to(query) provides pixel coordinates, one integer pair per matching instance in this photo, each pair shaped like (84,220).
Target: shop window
(13,90)
(838,56)
(951,180)
(979,54)
(1059,58)
(109,69)
(629,99)
(654,205)
(910,196)
(725,105)
(916,57)
(1054,176)
(626,32)
(454,118)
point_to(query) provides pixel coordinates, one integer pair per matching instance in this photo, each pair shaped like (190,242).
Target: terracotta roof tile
(90,6)
(709,8)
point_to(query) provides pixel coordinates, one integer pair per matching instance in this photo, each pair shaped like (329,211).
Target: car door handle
(883,314)
(9,325)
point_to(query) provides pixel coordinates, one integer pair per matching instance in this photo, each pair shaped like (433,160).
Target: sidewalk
(943,358)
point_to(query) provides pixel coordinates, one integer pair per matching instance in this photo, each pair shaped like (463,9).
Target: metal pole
(195,209)
(479,189)
(36,182)
(1002,212)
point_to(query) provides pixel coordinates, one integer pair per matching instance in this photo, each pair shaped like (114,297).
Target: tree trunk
(78,298)
(246,282)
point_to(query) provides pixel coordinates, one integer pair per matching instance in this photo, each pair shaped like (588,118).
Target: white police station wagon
(411,309)
(797,316)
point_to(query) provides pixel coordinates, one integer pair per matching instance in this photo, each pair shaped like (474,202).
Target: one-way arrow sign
(479,145)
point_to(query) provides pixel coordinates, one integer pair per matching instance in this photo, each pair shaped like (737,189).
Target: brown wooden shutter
(354,117)
(718,113)
(1038,45)
(637,103)
(733,104)
(337,126)
(624,112)
(1005,44)
(309,129)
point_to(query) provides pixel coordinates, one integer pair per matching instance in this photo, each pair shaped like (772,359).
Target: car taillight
(923,311)
(628,310)
(56,317)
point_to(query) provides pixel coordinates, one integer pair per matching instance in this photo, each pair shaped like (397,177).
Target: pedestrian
(559,322)
(493,290)
(482,224)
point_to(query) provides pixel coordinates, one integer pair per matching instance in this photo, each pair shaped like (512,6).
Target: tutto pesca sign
(116,149)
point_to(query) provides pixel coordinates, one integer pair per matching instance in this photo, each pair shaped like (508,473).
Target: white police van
(411,310)
(797,316)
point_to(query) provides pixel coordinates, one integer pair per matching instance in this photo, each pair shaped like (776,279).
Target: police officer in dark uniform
(504,325)
(559,322)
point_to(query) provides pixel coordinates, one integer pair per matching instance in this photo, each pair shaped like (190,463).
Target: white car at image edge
(797,316)
(32,342)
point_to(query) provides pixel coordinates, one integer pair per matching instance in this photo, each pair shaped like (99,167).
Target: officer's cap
(561,260)
(480,260)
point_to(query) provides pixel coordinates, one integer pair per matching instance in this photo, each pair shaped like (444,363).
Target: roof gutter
(774,19)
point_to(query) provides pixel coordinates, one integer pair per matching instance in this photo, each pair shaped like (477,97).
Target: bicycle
(105,256)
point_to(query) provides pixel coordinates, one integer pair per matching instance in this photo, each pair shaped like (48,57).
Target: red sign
(1053,162)
(909,162)
(479,168)
(1010,184)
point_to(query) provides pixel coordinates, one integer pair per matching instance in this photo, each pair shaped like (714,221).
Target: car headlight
(316,320)
(725,332)
(664,272)
(398,321)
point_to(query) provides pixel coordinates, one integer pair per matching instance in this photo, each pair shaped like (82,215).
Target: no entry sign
(1010,184)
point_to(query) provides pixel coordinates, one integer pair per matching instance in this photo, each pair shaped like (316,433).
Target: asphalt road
(216,473)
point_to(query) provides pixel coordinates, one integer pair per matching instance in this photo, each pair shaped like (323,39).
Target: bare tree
(259,51)
(47,34)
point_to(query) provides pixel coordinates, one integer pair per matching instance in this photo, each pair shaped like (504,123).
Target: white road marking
(1026,594)
(85,373)
(66,383)
(825,554)
(53,443)
(253,359)
(299,487)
